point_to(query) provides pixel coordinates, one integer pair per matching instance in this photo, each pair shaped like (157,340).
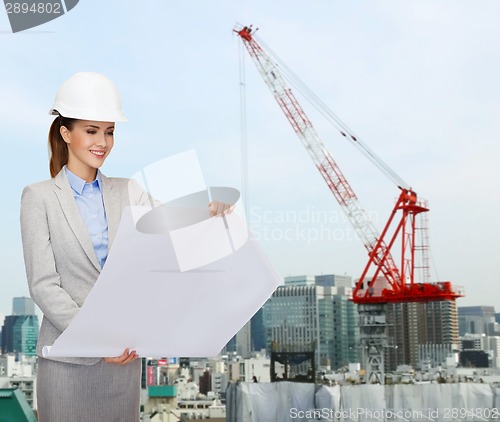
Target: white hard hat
(89,96)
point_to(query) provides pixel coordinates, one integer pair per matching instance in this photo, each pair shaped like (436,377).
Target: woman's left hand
(217,208)
(127,357)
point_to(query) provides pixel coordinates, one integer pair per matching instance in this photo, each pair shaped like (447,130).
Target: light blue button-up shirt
(88,197)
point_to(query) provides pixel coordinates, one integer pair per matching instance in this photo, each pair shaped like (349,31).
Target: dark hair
(58,148)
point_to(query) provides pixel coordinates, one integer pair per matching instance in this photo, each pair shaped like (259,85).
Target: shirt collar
(77,184)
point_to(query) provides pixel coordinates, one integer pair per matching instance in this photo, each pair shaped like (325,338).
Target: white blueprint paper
(176,283)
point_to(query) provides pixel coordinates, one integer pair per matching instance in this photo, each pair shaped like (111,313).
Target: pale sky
(416,80)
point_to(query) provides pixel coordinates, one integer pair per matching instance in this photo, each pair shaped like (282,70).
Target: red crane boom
(388,283)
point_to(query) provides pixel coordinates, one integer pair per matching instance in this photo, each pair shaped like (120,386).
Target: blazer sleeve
(43,280)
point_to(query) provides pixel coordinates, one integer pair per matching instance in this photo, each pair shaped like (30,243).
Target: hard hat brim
(88,115)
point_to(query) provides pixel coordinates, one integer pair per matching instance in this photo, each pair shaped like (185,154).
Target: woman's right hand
(127,357)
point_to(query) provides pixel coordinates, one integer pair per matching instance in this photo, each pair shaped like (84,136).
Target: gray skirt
(78,393)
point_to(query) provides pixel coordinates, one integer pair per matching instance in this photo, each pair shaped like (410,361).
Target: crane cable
(243,130)
(320,106)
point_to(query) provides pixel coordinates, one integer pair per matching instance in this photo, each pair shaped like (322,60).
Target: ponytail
(57,146)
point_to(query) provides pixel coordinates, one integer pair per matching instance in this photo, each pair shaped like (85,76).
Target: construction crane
(382,281)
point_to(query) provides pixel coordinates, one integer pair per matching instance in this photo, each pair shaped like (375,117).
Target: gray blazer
(61,265)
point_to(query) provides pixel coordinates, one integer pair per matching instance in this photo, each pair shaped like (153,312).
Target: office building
(20,334)
(476,319)
(300,280)
(244,341)
(23,306)
(482,342)
(248,339)
(345,330)
(257,331)
(304,316)
(334,280)
(420,331)
(20,331)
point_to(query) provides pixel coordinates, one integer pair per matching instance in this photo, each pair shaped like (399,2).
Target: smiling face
(89,143)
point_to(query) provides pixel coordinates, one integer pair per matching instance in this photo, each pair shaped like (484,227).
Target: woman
(68,224)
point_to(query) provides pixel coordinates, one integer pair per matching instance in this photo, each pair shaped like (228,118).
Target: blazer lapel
(68,204)
(112,206)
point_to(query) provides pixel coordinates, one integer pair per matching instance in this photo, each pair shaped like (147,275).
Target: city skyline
(417,81)
(314,313)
